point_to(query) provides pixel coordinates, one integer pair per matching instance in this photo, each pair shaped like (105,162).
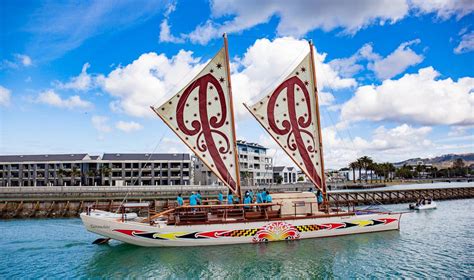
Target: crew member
(180,201)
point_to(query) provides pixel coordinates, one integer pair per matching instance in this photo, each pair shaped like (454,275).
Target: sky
(395,76)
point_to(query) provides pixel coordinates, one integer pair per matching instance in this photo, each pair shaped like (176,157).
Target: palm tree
(379,169)
(353,165)
(105,172)
(366,162)
(91,174)
(360,165)
(373,167)
(61,173)
(74,173)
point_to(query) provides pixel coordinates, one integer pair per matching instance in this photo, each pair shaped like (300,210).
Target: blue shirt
(193,200)
(230,199)
(198,196)
(268,198)
(320,198)
(180,201)
(259,198)
(264,196)
(247,200)
(220,197)
(251,194)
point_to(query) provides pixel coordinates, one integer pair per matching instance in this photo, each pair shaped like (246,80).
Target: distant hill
(440,161)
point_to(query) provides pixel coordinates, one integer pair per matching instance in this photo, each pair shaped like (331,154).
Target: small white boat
(423,204)
(111,215)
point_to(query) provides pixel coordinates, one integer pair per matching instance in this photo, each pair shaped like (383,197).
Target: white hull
(426,207)
(162,235)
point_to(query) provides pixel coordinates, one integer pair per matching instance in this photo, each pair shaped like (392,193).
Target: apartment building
(87,170)
(256,167)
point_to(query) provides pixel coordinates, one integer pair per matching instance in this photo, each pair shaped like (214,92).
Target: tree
(105,172)
(246,177)
(61,173)
(75,173)
(279,179)
(459,163)
(300,179)
(91,174)
(354,165)
(404,172)
(366,162)
(360,165)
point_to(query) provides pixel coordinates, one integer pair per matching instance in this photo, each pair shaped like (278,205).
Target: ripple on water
(435,244)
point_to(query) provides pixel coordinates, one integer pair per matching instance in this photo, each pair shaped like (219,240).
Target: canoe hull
(162,235)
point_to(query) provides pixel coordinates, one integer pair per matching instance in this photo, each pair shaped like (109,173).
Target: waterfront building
(256,167)
(285,174)
(86,170)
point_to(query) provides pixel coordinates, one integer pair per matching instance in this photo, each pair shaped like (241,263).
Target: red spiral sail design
(206,127)
(294,126)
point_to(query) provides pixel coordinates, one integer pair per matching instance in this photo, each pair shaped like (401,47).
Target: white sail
(290,115)
(201,115)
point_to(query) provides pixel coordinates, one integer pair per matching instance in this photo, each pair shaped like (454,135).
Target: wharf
(31,202)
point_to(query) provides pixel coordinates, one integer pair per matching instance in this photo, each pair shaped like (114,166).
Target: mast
(323,175)
(201,115)
(234,140)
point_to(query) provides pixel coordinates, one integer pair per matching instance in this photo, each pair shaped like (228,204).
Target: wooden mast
(323,175)
(234,143)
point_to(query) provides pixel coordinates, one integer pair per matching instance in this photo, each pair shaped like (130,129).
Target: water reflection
(303,258)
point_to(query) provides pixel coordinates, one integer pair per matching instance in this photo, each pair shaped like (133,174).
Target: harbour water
(431,244)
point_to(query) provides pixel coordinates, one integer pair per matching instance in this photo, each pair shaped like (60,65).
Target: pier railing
(70,201)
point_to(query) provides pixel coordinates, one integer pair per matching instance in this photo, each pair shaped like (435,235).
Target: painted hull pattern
(162,235)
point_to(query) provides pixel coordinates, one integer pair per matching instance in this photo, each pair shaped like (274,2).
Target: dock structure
(31,202)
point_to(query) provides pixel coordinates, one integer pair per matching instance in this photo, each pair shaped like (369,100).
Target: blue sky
(396,76)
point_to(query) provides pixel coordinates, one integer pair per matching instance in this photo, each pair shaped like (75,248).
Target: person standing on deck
(264,195)
(199,197)
(193,200)
(180,200)
(259,197)
(230,198)
(268,197)
(251,195)
(319,196)
(220,198)
(247,200)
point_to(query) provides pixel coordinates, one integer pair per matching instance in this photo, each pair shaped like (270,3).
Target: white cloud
(52,98)
(151,79)
(325,98)
(82,82)
(298,17)
(444,9)
(128,126)
(266,63)
(173,145)
(165,33)
(4,96)
(414,98)
(466,44)
(393,144)
(19,60)
(24,59)
(396,62)
(384,68)
(100,123)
